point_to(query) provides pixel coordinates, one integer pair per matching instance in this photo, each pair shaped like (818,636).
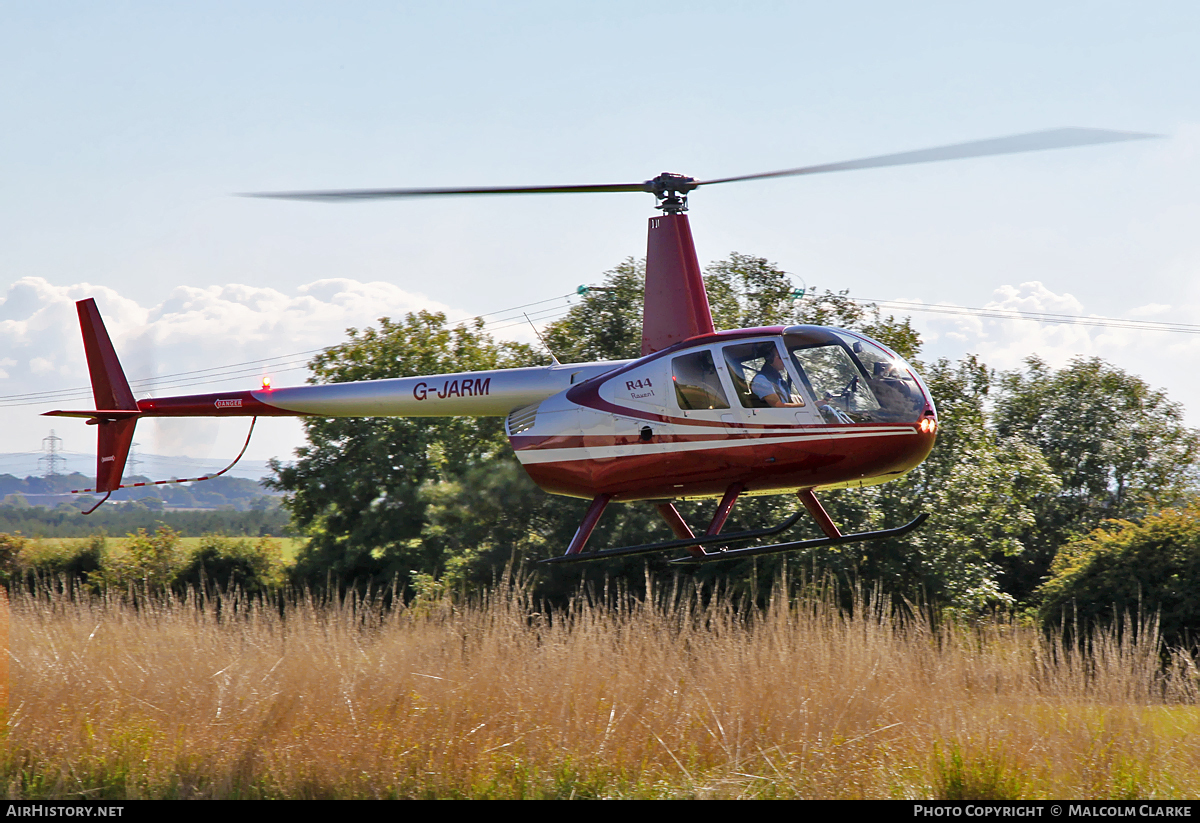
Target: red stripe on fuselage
(523,442)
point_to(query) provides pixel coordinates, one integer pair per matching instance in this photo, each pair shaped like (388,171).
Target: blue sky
(129,125)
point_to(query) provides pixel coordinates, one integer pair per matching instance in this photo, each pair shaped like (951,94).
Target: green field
(288,546)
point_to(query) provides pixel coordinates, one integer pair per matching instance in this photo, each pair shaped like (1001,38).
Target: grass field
(662,697)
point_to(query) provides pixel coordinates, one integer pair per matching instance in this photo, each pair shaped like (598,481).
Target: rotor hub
(671,191)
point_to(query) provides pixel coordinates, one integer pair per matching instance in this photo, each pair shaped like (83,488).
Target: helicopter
(701,414)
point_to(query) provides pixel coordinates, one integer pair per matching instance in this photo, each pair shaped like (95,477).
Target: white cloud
(194,328)
(1150,310)
(1160,357)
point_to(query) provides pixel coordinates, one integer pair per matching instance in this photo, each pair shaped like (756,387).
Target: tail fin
(111,391)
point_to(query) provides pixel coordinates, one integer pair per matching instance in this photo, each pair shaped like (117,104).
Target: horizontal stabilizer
(94,414)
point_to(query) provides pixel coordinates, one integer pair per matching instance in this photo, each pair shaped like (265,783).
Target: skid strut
(678,525)
(599,504)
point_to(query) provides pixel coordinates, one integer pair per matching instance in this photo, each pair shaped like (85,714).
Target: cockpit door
(772,395)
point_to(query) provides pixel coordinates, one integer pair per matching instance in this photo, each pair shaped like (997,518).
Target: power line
(278,364)
(1041,317)
(515,317)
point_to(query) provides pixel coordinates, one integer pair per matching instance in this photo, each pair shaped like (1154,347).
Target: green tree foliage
(356,488)
(149,562)
(1137,571)
(66,521)
(11,547)
(224,564)
(40,563)
(607,323)
(743,292)
(979,490)
(489,516)
(150,559)
(1118,448)
(746,291)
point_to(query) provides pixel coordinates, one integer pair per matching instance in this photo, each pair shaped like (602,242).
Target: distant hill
(220,493)
(156,466)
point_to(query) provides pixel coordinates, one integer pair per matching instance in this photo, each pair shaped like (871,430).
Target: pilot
(773,384)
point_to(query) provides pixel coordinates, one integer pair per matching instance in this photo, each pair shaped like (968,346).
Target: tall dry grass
(672,695)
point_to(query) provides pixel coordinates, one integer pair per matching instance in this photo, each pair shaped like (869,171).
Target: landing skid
(735,537)
(778,548)
(647,548)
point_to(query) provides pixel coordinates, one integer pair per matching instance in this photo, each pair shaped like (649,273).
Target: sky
(129,128)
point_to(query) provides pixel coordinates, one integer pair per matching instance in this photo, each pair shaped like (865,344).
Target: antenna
(541,339)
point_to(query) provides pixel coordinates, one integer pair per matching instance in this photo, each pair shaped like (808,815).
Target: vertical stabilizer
(676,306)
(112,393)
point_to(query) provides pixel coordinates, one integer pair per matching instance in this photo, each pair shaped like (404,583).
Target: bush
(1131,570)
(223,563)
(150,560)
(11,546)
(71,562)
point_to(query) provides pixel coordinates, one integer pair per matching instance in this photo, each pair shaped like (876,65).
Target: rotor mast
(676,303)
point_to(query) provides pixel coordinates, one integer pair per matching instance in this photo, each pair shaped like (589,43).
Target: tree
(743,292)
(1148,571)
(356,488)
(1118,448)
(746,291)
(980,491)
(381,498)
(607,323)
(446,499)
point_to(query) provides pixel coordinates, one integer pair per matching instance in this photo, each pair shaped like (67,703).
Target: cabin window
(853,379)
(842,394)
(697,384)
(755,378)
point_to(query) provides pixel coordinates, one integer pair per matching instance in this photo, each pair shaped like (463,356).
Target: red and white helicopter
(701,414)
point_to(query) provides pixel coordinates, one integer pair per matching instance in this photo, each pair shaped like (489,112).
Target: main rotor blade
(383,194)
(1034,141)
